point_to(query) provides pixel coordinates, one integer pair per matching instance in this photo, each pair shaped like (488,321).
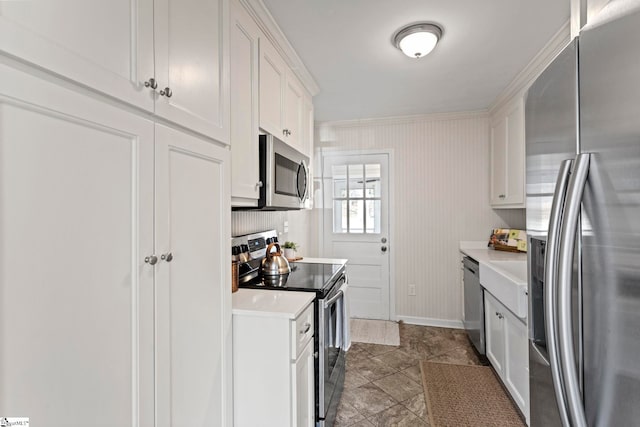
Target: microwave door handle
(303,167)
(568,236)
(550,285)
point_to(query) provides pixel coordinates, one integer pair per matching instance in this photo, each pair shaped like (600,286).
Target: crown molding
(433,117)
(271,29)
(532,70)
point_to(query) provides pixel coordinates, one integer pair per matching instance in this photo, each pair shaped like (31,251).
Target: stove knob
(235,250)
(244,248)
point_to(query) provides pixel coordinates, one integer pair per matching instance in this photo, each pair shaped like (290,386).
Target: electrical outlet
(412,290)
(285,227)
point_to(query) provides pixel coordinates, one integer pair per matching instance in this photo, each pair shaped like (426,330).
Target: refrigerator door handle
(550,285)
(568,231)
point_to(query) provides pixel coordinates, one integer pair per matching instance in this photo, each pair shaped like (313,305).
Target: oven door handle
(333,299)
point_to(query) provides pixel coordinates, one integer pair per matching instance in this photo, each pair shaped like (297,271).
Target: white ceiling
(346,45)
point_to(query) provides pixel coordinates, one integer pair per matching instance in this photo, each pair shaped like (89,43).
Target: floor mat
(374,331)
(466,395)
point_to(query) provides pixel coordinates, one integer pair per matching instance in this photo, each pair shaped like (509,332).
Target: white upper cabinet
(244,36)
(507,152)
(110,47)
(272,89)
(282,96)
(105,45)
(191,55)
(293,112)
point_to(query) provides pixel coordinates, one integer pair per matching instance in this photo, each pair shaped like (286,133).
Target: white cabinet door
(494,332)
(507,152)
(191,51)
(303,388)
(244,60)
(272,89)
(498,155)
(76,221)
(515,165)
(193,291)
(105,45)
(306,144)
(517,361)
(294,108)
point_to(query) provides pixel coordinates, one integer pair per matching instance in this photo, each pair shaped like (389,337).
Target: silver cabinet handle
(259,184)
(502,196)
(166,92)
(550,285)
(568,231)
(152,259)
(167,257)
(307,326)
(383,240)
(152,83)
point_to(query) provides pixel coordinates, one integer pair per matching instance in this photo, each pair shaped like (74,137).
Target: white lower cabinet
(97,321)
(507,350)
(273,359)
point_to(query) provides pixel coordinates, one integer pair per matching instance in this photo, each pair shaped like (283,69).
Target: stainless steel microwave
(284,173)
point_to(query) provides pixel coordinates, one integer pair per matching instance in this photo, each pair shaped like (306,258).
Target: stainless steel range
(326,280)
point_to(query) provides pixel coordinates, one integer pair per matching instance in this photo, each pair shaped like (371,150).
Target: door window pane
(357,189)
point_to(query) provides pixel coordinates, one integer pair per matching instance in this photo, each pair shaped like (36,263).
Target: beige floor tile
(399,386)
(368,399)
(397,416)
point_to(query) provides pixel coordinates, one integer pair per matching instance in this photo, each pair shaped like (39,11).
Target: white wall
(301,227)
(441,196)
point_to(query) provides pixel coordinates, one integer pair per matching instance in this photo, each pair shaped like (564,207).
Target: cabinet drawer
(301,331)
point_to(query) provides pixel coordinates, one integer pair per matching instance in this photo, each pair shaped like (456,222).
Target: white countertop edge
(270,303)
(323,260)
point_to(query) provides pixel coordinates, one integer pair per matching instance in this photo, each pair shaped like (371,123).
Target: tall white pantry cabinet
(115,307)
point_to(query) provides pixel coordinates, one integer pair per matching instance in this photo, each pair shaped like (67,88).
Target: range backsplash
(303,227)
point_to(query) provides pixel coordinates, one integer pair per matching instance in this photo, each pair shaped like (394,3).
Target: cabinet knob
(502,196)
(166,92)
(152,259)
(167,257)
(307,326)
(383,249)
(259,184)
(286,132)
(152,83)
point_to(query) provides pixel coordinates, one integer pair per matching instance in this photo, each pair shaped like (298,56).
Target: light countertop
(259,302)
(481,253)
(323,260)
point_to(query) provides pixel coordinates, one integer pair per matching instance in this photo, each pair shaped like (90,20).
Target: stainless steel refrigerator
(582,120)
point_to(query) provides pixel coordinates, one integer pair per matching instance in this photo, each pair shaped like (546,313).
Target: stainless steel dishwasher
(473,304)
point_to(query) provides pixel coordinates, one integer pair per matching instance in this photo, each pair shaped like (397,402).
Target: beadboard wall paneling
(441,193)
(301,227)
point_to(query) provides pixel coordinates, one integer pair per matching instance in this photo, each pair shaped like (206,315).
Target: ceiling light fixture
(417,40)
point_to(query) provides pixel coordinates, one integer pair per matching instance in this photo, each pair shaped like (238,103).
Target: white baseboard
(426,321)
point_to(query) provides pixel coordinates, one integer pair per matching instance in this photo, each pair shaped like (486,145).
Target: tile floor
(383,384)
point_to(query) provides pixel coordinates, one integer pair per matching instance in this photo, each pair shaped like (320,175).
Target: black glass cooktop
(318,278)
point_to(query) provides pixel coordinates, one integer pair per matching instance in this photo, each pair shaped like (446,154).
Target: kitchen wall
(441,196)
(301,227)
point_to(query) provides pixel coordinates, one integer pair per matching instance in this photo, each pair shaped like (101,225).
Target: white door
(272,81)
(193,281)
(244,59)
(356,227)
(76,221)
(191,58)
(105,45)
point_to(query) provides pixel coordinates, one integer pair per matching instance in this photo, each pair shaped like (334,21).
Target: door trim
(336,151)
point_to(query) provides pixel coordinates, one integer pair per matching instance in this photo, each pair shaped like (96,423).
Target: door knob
(384,249)
(151,259)
(152,83)
(166,92)
(383,240)
(166,257)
